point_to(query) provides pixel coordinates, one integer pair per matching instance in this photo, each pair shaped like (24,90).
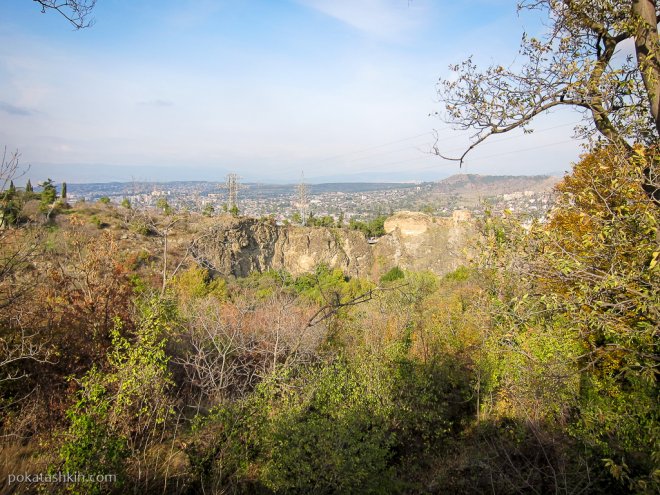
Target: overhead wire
(428,153)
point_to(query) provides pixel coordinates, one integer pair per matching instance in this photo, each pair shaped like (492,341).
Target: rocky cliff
(414,241)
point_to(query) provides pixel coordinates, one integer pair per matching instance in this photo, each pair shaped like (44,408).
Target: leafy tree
(48,193)
(63,193)
(10,205)
(324,221)
(104,200)
(373,228)
(573,65)
(234,211)
(126,203)
(576,313)
(11,209)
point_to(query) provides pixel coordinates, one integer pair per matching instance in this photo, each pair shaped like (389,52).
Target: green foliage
(234,211)
(330,286)
(48,193)
(461,274)
(324,221)
(118,410)
(373,228)
(126,203)
(90,444)
(164,206)
(395,273)
(576,314)
(104,200)
(225,443)
(10,206)
(267,283)
(196,282)
(100,224)
(141,376)
(333,439)
(296,218)
(208,210)
(142,227)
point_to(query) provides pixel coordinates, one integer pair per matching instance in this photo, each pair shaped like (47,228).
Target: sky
(194,89)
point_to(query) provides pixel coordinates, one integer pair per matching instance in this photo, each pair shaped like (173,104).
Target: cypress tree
(49,193)
(63,190)
(28,187)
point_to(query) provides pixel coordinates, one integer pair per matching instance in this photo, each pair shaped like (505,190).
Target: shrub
(395,273)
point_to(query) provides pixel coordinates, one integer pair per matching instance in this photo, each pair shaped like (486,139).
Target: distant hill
(492,185)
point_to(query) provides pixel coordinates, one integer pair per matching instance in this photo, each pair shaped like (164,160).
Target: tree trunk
(647,49)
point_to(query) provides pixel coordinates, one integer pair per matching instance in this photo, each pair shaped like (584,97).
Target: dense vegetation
(533,371)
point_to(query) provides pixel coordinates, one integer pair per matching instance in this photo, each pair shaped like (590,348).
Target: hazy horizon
(37,175)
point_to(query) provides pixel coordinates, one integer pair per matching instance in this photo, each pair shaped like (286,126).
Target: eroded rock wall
(414,241)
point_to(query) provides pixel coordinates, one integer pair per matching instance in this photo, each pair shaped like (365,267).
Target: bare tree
(19,345)
(161,226)
(77,12)
(575,64)
(9,168)
(229,348)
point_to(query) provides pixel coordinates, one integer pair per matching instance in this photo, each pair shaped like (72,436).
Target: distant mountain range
(154,174)
(461,184)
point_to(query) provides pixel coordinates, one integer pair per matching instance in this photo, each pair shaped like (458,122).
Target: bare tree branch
(574,65)
(77,12)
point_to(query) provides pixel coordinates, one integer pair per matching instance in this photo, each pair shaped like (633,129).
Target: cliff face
(414,241)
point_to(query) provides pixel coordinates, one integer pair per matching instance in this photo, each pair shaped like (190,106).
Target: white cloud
(382,18)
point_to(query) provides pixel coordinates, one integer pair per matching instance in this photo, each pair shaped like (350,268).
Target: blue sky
(196,88)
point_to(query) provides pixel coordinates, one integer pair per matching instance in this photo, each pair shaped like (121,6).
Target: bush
(395,273)
(196,282)
(373,228)
(118,411)
(331,439)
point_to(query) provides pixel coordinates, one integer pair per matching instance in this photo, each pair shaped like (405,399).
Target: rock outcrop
(416,241)
(413,241)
